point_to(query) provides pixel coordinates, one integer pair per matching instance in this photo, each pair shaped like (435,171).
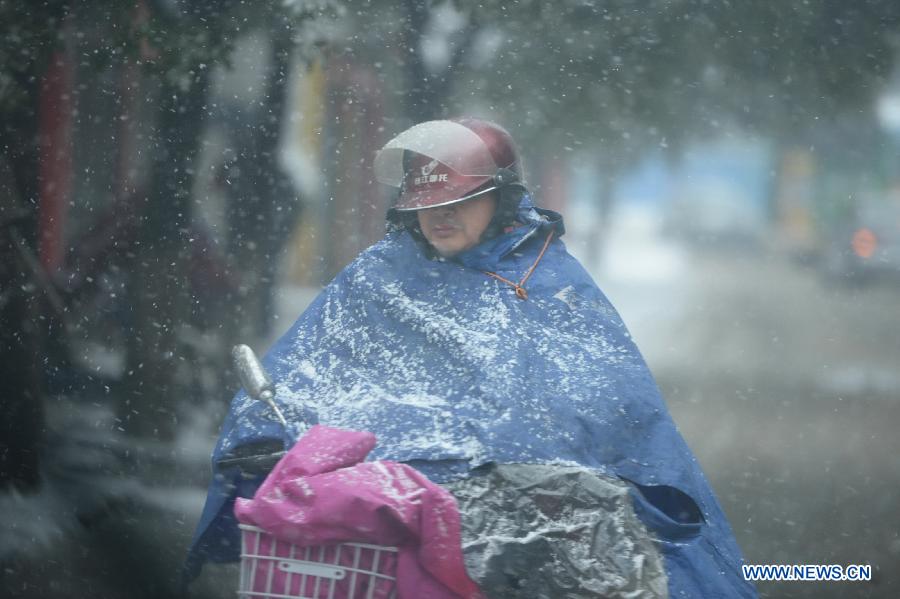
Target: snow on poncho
(451,370)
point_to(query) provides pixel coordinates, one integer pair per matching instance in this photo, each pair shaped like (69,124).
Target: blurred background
(178,176)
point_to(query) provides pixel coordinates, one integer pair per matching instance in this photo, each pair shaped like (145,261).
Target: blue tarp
(451,370)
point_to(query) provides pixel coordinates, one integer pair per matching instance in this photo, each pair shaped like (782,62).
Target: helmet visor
(433,163)
(451,144)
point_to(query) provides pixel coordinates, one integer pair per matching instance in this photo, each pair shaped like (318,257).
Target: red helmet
(436,163)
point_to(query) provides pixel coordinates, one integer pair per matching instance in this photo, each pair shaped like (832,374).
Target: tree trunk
(262,204)
(21,401)
(159,286)
(22,337)
(427,93)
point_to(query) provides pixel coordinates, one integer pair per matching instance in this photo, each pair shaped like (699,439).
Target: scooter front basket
(276,569)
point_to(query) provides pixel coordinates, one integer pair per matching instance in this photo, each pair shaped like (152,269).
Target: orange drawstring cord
(520,286)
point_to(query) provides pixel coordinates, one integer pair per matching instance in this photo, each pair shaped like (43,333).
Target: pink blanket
(322,492)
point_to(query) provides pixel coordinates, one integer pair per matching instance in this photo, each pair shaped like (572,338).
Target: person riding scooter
(480,352)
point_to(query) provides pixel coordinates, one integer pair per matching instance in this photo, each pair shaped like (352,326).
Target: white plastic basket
(274,569)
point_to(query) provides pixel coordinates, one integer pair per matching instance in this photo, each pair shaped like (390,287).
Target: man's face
(457,227)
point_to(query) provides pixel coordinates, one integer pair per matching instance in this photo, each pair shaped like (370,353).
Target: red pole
(55,162)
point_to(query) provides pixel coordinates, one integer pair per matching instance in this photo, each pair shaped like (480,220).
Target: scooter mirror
(254,378)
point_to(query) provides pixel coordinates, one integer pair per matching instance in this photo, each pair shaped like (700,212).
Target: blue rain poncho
(451,370)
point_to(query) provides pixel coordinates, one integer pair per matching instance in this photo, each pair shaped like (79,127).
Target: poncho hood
(451,370)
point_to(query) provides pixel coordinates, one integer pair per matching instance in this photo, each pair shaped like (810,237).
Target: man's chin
(445,248)
(445,252)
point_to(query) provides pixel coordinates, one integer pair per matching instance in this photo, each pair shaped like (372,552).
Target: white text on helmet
(430,179)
